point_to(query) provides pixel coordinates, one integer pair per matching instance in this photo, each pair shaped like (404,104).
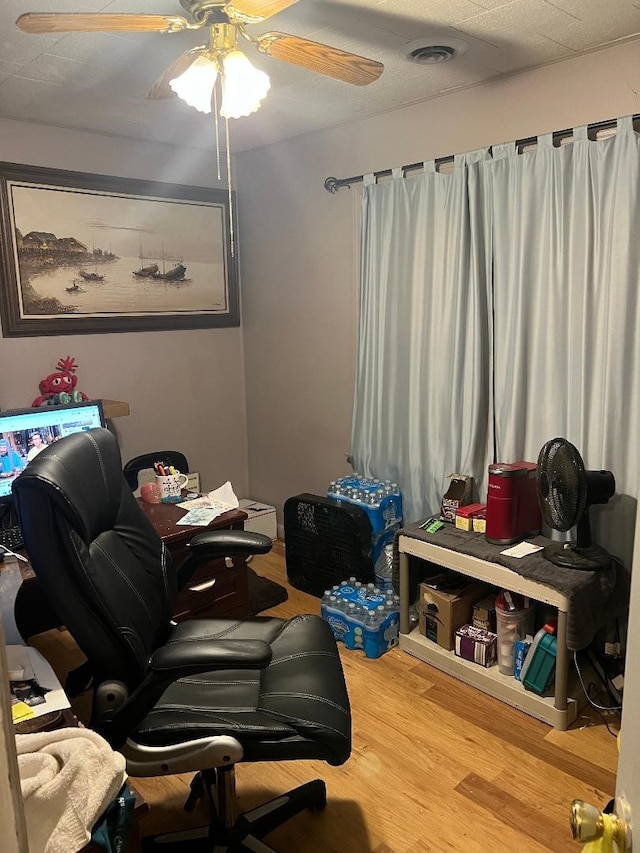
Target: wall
(300,267)
(185,388)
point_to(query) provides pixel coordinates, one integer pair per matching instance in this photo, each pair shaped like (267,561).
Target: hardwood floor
(436,765)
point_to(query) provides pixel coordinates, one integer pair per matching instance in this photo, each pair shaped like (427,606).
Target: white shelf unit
(559,710)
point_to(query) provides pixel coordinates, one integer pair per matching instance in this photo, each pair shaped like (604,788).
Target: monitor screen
(25,432)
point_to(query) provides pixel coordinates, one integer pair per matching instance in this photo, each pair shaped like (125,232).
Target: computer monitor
(24,432)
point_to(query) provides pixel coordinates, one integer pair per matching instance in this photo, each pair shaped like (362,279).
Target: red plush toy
(60,387)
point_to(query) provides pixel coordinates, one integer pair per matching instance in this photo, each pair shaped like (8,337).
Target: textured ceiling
(98,81)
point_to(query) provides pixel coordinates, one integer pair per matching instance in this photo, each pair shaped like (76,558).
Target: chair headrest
(83,475)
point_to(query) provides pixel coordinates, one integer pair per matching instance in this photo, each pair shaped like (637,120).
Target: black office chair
(203,695)
(146,461)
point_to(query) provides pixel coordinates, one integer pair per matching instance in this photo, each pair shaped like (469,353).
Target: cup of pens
(170,482)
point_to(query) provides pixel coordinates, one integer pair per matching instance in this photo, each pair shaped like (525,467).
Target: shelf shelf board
(490,680)
(493,573)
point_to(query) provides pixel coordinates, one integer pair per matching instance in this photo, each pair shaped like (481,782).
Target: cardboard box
(262,518)
(441,612)
(477,645)
(466,514)
(458,494)
(480,522)
(484,613)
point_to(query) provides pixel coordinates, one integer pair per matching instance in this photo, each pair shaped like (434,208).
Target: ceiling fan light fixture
(243,86)
(195,85)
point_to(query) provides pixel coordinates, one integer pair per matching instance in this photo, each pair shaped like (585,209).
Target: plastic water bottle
(371,620)
(384,568)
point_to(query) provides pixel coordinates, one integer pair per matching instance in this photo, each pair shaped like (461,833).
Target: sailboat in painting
(145,271)
(95,275)
(176,274)
(152,271)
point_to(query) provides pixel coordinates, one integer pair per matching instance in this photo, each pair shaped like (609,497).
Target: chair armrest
(226,543)
(179,659)
(213,544)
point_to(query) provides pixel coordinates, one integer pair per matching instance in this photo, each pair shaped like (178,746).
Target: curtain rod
(332,185)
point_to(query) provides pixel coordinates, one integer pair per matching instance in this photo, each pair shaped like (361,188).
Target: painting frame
(24,313)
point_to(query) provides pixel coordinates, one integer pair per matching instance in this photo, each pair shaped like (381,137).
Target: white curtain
(566,254)
(423,396)
(517,275)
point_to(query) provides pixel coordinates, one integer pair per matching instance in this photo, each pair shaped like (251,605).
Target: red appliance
(512,503)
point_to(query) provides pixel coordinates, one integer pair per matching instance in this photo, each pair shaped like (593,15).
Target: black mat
(264,593)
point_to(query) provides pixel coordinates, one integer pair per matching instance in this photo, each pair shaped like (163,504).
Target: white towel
(68,779)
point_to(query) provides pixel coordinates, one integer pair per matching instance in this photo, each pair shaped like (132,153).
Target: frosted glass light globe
(243,86)
(195,85)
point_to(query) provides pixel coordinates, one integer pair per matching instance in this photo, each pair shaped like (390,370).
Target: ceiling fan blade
(83,22)
(331,61)
(161,88)
(254,11)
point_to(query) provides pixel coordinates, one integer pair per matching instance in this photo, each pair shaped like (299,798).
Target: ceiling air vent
(430,54)
(434,49)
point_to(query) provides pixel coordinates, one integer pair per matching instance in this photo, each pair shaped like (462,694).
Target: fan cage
(326,542)
(561,484)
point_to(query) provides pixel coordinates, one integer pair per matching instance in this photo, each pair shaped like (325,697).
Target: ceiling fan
(226,20)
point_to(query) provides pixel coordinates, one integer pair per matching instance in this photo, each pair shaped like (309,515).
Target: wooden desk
(219,587)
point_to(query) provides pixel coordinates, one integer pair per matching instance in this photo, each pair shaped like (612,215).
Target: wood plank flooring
(436,766)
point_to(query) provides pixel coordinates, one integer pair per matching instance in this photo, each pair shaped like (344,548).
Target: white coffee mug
(171,487)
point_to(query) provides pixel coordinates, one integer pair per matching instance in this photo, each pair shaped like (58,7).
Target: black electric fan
(565,493)
(327,540)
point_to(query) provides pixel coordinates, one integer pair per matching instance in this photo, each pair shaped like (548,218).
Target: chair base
(247,830)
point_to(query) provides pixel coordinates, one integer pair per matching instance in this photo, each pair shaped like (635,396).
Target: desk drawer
(216,588)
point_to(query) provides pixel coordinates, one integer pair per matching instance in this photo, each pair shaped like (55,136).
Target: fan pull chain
(231,234)
(217,117)
(228,146)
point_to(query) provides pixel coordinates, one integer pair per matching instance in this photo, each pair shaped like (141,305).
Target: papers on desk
(201,511)
(204,515)
(35,690)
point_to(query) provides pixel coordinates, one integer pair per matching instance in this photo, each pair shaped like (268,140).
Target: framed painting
(84,254)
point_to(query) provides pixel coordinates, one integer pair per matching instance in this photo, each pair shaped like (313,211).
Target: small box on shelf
(466,514)
(476,644)
(484,613)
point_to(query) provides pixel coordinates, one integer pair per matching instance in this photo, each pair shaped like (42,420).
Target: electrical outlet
(612,649)
(193,482)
